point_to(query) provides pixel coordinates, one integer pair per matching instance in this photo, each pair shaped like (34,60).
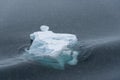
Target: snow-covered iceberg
(52,49)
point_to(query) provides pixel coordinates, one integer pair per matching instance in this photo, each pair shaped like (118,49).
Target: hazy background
(88,19)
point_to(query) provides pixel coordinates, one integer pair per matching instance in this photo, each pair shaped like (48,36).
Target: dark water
(95,22)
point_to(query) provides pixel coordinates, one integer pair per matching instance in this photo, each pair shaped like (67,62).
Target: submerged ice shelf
(52,49)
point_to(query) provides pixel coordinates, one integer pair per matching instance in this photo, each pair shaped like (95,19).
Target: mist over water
(96,23)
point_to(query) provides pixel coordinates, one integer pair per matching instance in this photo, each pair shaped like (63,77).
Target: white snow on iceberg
(52,49)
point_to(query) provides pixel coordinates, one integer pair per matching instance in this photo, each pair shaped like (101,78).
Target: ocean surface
(96,23)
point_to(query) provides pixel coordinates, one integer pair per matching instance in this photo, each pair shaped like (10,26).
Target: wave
(85,49)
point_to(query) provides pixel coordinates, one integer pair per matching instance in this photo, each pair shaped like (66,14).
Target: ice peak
(44,28)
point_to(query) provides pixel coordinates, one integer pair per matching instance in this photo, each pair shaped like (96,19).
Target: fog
(87,19)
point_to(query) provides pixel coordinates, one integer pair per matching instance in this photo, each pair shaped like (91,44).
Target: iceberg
(53,49)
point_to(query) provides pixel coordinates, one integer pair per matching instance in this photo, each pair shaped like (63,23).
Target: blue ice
(52,49)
